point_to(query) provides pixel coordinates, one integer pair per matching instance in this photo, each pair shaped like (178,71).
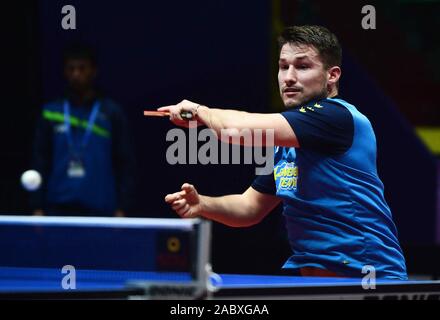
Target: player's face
(80,74)
(301,75)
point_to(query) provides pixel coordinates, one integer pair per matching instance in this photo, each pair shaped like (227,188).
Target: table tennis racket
(187,115)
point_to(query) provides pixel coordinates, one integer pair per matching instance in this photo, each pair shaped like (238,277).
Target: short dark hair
(320,37)
(79,51)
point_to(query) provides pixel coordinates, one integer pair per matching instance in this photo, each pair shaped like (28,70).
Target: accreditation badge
(76,169)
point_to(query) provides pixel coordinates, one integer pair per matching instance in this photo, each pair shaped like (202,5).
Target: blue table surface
(27,279)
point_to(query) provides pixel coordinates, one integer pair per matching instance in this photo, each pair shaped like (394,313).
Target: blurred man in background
(82,147)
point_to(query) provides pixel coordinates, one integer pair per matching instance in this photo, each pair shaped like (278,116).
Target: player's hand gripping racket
(186,115)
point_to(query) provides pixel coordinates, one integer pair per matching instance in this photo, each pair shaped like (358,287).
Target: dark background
(223,53)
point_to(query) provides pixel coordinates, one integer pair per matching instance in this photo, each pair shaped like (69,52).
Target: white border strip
(104,222)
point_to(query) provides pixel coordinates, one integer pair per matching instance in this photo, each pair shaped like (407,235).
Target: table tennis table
(34,250)
(27,283)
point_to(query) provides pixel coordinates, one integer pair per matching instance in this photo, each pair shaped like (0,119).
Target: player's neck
(332,93)
(82,98)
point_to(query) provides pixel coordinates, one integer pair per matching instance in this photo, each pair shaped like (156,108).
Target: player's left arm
(232,123)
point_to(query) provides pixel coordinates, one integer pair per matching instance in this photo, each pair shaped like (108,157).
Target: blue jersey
(107,158)
(336,214)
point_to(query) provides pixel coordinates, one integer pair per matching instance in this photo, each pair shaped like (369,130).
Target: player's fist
(184,107)
(186,203)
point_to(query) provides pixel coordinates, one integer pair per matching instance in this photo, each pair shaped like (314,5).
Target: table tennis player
(325,172)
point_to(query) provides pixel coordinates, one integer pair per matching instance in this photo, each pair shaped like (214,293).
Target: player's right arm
(237,210)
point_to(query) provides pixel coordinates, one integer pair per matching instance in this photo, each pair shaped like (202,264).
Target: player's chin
(291,103)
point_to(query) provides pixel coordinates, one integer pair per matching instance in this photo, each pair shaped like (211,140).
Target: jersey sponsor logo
(310,108)
(286,176)
(318,106)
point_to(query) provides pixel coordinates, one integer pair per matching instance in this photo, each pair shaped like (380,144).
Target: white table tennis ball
(31,180)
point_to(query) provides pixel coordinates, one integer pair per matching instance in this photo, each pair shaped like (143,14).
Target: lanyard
(87,133)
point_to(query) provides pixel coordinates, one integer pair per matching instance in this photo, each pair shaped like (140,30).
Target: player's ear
(333,75)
